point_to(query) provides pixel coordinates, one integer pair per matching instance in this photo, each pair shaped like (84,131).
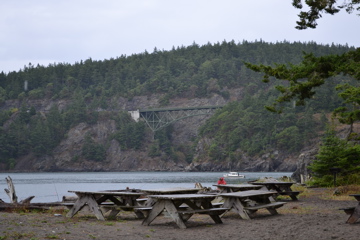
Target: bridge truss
(157,119)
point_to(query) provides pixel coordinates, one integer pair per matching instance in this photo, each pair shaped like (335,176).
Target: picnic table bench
(354,212)
(282,188)
(246,203)
(195,204)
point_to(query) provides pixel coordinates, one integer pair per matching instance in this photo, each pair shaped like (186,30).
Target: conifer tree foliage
(301,83)
(301,80)
(91,90)
(92,150)
(336,153)
(247,127)
(349,113)
(129,134)
(317,7)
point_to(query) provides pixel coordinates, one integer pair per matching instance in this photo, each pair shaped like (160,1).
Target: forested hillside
(88,92)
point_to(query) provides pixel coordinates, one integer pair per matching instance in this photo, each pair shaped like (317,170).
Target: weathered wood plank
(172,211)
(355,215)
(156,210)
(270,205)
(348,210)
(206,211)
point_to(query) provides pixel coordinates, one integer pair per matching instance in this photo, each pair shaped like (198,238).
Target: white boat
(234,175)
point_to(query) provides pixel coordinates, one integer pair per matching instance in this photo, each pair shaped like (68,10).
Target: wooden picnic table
(354,212)
(282,188)
(101,202)
(174,190)
(246,203)
(236,187)
(161,191)
(173,204)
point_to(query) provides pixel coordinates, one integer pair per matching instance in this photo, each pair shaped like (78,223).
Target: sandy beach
(314,216)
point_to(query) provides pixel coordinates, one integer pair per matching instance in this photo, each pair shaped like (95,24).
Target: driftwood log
(10,191)
(23,204)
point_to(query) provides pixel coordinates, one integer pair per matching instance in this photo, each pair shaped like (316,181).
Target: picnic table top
(182,196)
(108,193)
(273,183)
(237,185)
(171,190)
(245,194)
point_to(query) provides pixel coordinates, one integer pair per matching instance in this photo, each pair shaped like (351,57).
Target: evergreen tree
(336,153)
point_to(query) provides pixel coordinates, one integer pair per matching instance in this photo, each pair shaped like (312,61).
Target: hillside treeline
(188,72)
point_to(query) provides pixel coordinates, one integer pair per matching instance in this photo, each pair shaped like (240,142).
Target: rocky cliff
(67,155)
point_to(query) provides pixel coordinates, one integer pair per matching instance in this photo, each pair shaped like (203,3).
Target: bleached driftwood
(10,191)
(69,198)
(26,201)
(23,204)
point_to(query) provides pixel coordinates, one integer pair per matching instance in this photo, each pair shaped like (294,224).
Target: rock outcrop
(67,155)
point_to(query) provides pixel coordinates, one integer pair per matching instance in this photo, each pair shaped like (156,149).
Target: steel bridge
(158,118)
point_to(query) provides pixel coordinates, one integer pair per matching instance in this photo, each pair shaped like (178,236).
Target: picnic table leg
(293,197)
(139,214)
(214,216)
(113,213)
(239,208)
(94,207)
(171,209)
(228,203)
(272,211)
(265,188)
(91,202)
(355,215)
(78,205)
(155,211)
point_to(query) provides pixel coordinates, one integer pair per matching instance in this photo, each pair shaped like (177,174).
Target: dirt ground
(314,216)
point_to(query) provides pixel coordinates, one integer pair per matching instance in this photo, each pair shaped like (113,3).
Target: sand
(314,216)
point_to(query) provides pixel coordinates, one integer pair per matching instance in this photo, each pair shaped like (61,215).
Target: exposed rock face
(67,156)
(270,162)
(302,173)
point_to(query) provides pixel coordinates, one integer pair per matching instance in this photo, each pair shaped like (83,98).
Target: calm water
(51,187)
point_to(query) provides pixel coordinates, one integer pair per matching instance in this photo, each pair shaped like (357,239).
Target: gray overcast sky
(67,31)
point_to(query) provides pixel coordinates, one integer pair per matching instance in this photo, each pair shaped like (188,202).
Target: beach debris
(23,204)
(10,191)
(204,189)
(69,198)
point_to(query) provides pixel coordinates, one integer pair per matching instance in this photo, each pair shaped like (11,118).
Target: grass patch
(52,237)
(340,193)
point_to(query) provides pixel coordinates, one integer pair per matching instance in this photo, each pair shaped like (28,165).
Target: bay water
(51,187)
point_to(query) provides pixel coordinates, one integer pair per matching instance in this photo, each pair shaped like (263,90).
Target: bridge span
(158,118)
